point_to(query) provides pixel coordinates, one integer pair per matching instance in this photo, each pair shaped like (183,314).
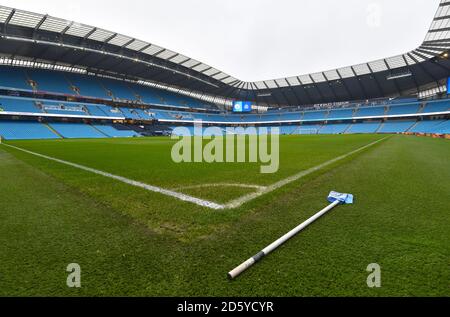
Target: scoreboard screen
(242,106)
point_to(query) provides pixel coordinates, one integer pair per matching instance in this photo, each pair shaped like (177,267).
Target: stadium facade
(61,79)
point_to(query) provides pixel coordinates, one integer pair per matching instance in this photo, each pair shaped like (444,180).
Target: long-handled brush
(334,198)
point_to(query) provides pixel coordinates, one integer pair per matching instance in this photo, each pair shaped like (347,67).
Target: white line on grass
(261,190)
(257,187)
(183,197)
(246,198)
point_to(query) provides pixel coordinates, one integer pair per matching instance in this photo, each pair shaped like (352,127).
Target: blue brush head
(346,199)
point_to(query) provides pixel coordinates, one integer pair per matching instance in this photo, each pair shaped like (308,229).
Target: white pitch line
(246,198)
(183,197)
(258,187)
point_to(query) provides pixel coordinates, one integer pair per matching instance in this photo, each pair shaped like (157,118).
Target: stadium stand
(396,127)
(50,81)
(18,130)
(334,128)
(370,127)
(87,86)
(288,130)
(13,77)
(77,130)
(435,126)
(341,114)
(147,94)
(131,113)
(118,89)
(115,133)
(307,129)
(19,105)
(444,128)
(332,121)
(439,106)
(370,112)
(315,115)
(62,108)
(404,109)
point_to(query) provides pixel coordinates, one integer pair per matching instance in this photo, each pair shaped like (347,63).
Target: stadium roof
(46,39)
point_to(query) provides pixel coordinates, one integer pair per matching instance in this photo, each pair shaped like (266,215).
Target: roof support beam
(66,29)
(397,88)
(344,84)
(283,94)
(273,96)
(109,39)
(299,102)
(330,86)
(358,79)
(8,19)
(318,90)
(89,33)
(439,30)
(36,28)
(445,17)
(413,77)
(423,68)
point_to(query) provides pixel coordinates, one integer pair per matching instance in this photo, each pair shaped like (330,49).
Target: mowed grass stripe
(149,160)
(183,197)
(400,220)
(198,201)
(240,201)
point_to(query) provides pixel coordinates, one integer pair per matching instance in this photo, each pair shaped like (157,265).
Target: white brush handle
(269,249)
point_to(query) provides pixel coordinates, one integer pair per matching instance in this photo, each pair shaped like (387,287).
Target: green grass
(133,242)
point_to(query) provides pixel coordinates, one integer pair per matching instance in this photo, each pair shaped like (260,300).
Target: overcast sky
(259,39)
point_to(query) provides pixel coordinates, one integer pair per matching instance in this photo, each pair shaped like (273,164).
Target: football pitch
(60,205)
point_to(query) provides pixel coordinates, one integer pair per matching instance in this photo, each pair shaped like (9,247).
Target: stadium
(88,122)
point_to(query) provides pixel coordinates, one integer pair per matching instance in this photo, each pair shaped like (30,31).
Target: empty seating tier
(396,127)
(77,131)
(370,127)
(22,130)
(114,133)
(404,109)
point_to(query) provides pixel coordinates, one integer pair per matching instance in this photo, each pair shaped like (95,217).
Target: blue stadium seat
(23,130)
(288,130)
(130,113)
(440,106)
(443,128)
(307,129)
(14,77)
(315,115)
(88,86)
(334,128)
(404,109)
(149,95)
(50,81)
(77,131)
(370,112)
(396,127)
(341,114)
(114,133)
(18,105)
(369,127)
(429,126)
(119,89)
(291,116)
(63,108)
